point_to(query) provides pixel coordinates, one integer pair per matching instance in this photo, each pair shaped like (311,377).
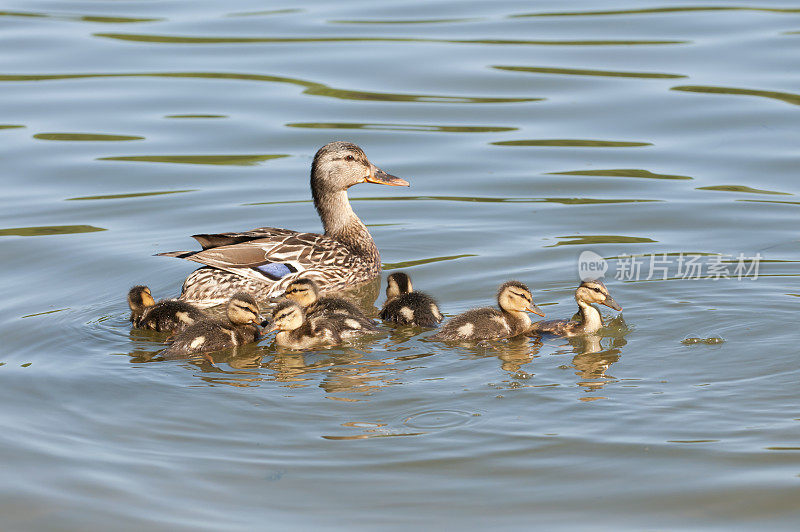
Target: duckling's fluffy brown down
(169,315)
(514,299)
(210,335)
(413,308)
(480,324)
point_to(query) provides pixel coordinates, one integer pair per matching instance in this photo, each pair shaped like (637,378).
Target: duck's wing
(269,254)
(215,240)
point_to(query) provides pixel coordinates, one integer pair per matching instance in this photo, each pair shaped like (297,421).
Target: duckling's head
(398,283)
(339,165)
(515,296)
(242,309)
(305,292)
(595,292)
(287,316)
(139,298)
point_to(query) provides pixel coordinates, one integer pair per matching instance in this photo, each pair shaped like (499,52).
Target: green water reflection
(401,127)
(588,72)
(185,39)
(311,88)
(588,240)
(787,97)
(196,116)
(418,262)
(574,143)
(46,230)
(85,137)
(622,172)
(742,188)
(80,18)
(407,21)
(235,160)
(655,10)
(131,195)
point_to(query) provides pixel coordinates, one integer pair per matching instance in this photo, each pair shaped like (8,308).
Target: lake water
(661,136)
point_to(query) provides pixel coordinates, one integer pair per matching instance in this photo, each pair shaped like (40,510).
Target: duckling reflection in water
(588,292)
(514,299)
(405,306)
(168,315)
(213,335)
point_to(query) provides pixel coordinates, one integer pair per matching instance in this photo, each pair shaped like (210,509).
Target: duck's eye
(596,290)
(349,158)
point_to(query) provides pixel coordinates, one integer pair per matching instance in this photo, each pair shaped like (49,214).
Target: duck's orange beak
(376,175)
(536,310)
(609,302)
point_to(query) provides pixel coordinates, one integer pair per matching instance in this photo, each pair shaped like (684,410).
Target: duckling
(588,292)
(168,315)
(213,335)
(514,299)
(405,306)
(348,317)
(295,331)
(305,292)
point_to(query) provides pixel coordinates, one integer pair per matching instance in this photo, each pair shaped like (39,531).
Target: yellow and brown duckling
(588,293)
(348,317)
(305,292)
(168,315)
(514,299)
(404,306)
(210,335)
(296,331)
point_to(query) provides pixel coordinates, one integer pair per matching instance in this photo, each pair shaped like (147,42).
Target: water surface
(648,133)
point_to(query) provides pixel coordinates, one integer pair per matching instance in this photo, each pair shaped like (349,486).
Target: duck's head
(398,283)
(287,316)
(139,298)
(595,292)
(340,165)
(242,309)
(515,296)
(305,292)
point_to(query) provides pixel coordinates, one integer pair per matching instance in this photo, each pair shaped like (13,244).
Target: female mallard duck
(514,299)
(588,292)
(405,306)
(213,335)
(297,332)
(168,315)
(265,260)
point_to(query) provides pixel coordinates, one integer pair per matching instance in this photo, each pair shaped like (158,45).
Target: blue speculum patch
(274,270)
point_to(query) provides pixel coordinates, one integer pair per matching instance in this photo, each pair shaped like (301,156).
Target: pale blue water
(530,132)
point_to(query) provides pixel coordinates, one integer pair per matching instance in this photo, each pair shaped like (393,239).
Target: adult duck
(265,260)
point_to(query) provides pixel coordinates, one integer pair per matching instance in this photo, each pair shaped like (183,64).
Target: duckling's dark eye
(349,158)
(596,290)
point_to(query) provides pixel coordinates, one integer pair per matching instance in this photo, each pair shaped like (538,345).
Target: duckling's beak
(536,310)
(376,175)
(609,302)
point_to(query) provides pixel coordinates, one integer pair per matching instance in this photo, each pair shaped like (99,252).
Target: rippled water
(531,132)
